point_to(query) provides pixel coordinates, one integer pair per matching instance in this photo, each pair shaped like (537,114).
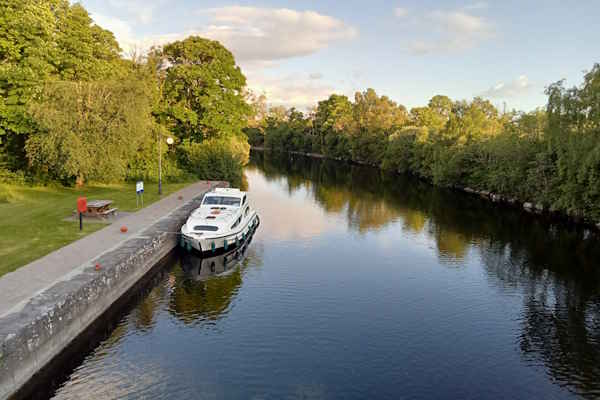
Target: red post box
(81,208)
(82,204)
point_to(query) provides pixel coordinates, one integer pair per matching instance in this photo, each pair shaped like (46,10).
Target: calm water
(359,286)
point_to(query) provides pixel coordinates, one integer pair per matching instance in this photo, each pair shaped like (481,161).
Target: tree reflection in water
(555,267)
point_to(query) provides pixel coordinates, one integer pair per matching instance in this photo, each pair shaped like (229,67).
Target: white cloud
(400,12)
(254,35)
(121,29)
(447,31)
(290,91)
(129,43)
(460,22)
(266,34)
(515,88)
(142,10)
(259,38)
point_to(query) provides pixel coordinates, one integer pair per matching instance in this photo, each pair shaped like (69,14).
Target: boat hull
(220,244)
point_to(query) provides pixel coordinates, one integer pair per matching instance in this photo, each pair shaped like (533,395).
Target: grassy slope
(31,224)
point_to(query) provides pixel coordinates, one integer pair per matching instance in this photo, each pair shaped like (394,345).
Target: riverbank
(497,198)
(35,220)
(46,304)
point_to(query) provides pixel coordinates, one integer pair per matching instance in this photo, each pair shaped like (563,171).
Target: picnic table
(100,208)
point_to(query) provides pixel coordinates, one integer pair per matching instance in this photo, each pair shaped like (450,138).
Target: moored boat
(201,267)
(222,222)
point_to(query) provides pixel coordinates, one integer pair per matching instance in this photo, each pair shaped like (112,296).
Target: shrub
(216,159)
(14,178)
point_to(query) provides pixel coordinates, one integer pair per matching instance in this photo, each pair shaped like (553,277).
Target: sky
(300,52)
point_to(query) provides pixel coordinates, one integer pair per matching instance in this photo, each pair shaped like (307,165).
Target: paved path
(19,286)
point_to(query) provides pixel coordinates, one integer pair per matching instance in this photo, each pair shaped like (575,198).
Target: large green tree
(574,144)
(334,121)
(435,115)
(90,130)
(203,90)
(40,41)
(376,118)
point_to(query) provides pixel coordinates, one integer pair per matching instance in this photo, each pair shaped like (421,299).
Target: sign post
(139,192)
(81,208)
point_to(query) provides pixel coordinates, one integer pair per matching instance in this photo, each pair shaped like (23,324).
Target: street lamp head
(170,141)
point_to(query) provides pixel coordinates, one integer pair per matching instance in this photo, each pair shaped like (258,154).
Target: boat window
(244,201)
(222,201)
(208,228)
(247,211)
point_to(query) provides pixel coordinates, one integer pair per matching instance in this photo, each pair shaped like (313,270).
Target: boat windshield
(210,228)
(222,201)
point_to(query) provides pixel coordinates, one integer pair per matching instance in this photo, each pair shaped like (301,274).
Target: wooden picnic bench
(100,208)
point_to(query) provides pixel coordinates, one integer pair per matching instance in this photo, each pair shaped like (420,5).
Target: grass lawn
(31,223)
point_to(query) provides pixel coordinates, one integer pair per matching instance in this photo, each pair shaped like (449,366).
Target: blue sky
(298,52)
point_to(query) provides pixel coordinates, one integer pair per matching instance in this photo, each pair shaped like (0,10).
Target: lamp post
(169,142)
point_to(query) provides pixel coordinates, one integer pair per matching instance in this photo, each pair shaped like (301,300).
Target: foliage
(90,130)
(15,178)
(72,109)
(41,41)
(334,121)
(255,131)
(202,90)
(550,157)
(574,144)
(215,159)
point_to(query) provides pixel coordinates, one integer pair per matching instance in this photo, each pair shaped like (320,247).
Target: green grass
(32,218)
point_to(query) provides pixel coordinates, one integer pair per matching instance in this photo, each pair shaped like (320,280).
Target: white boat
(201,267)
(222,222)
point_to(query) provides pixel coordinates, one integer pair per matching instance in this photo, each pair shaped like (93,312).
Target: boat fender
(212,246)
(225,244)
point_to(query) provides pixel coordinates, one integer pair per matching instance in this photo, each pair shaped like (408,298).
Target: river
(358,285)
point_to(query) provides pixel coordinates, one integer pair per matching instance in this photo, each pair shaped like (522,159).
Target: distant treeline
(73,110)
(549,156)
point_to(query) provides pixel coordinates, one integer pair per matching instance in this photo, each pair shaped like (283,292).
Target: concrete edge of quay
(52,319)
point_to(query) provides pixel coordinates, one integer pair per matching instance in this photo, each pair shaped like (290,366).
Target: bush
(89,131)
(217,159)
(14,178)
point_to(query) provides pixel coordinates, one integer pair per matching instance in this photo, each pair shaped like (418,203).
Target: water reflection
(560,319)
(199,268)
(194,297)
(555,268)
(370,200)
(361,285)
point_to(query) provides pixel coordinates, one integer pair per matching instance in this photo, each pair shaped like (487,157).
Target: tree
(90,130)
(203,90)
(255,131)
(376,118)
(334,121)
(435,115)
(574,146)
(43,40)
(471,121)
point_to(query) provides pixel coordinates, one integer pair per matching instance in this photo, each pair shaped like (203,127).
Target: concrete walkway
(17,287)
